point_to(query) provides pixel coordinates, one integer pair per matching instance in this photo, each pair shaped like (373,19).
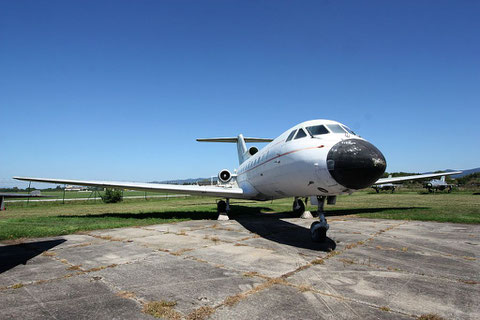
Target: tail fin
(442,178)
(241,144)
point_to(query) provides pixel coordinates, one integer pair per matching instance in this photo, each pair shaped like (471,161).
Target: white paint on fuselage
(295,168)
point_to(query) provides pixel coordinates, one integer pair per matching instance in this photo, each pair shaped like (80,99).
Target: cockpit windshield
(336,128)
(317,130)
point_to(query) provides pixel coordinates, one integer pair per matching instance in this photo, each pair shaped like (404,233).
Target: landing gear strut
(318,229)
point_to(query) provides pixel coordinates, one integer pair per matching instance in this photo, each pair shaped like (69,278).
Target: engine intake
(252,150)
(224,175)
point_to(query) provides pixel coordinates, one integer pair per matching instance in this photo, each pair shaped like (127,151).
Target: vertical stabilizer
(442,178)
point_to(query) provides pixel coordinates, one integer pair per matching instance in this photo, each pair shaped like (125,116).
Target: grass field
(49,219)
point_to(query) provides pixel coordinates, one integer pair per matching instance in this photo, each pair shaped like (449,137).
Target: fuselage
(317,157)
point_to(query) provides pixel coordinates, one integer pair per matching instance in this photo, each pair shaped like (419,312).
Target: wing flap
(415,177)
(224,192)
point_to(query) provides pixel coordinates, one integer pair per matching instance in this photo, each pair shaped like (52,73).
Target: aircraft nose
(355,163)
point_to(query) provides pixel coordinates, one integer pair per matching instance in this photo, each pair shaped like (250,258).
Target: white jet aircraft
(318,158)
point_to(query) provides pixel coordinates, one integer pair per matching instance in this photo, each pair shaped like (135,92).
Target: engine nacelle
(252,150)
(224,176)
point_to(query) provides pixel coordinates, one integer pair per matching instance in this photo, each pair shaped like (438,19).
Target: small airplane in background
(386,186)
(438,184)
(318,158)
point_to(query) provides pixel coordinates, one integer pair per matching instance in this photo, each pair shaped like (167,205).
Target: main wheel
(221,206)
(298,207)
(318,233)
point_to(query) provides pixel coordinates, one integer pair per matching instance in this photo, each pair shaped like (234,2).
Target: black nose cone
(355,163)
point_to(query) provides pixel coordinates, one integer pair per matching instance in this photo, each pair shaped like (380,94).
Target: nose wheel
(318,229)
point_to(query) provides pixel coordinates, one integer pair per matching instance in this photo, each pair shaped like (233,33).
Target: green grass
(54,218)
(459,207)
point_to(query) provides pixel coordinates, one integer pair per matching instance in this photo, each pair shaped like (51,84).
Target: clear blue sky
(119,90)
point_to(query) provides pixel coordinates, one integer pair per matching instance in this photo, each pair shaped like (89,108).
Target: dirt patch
(126,294)
(162,309)
(201,313)
(76,268)
(180,252)
(49,254)
(430,316)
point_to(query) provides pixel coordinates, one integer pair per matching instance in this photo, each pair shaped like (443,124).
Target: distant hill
(464,173)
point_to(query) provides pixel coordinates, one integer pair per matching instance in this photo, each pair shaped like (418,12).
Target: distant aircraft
(317,158)
(3,195)
(438,184)
(386,186)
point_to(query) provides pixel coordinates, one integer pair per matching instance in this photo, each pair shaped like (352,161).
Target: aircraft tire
(301,208)
(318,234)
(221,206)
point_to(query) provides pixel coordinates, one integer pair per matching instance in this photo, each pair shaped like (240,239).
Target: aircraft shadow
(260,220)
(270,226)
(16,254)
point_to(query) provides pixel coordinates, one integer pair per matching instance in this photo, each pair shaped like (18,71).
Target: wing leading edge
(414,177)
(224,192)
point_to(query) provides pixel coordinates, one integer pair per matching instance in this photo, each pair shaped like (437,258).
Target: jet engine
(252,150)
(224,176)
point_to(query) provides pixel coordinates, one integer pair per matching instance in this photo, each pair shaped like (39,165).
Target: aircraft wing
(214,191)
(414,177)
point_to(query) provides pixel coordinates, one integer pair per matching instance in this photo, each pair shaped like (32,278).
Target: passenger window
(290,136)
(300,134)
(317,130)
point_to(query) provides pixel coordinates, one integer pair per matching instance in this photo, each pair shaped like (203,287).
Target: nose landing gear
(318,229)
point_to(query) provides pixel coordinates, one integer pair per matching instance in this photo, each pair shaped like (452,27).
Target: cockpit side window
(317,130)
(349,130)
(290,136)
(300,134)
(335,128)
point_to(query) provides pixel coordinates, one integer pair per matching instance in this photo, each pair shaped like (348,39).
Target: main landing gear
(223,208)
(298,207)
(318,229)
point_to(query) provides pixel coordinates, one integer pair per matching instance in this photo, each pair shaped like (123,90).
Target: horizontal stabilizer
(234,140)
